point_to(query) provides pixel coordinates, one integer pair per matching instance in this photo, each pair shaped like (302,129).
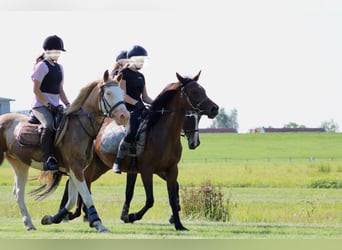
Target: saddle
(31,131)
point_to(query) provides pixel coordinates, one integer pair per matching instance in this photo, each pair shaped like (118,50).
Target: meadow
(275,186)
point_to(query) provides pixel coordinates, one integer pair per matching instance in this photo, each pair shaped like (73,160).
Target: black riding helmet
(137,51)
(121,55)
(53,43)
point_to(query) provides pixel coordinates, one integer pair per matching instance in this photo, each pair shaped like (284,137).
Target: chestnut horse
(190,131)
(83,120)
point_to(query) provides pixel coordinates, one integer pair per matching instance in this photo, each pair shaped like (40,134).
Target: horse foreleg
(163,176)
(147,179)
(94,219)
(71,193)
(172,188)
(130,184)
(20,179)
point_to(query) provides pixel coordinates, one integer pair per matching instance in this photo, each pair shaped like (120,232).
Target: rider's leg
(126,142)
(47,137)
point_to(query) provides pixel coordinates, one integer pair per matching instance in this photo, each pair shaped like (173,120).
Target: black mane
(160,103)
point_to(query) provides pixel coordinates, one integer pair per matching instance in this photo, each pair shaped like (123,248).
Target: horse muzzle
(121,116)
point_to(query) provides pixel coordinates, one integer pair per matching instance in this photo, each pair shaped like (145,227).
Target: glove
(139,106)
(52,108)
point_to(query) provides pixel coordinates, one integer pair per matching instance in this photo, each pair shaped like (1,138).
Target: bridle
(195,107)
(196,118)
(104,102)
(108,109)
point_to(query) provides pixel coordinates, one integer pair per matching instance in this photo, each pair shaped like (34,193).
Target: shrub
(206,202)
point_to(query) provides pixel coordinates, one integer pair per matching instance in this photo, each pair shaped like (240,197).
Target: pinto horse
(189,130)
(83,118)
(163,148)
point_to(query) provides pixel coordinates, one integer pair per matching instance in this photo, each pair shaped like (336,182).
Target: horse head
(196,96)
(112,99)
(190,129)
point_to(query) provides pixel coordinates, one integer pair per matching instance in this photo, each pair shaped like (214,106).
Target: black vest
(135,83)
(52,79)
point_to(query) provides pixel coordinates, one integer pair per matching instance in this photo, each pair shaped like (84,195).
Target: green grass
(274,192)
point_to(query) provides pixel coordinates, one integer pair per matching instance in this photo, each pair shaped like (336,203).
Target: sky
(274,61)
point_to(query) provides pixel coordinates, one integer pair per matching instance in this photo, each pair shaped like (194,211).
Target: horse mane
(82,96)
(160,103)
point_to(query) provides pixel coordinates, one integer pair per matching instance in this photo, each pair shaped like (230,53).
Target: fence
(227,160)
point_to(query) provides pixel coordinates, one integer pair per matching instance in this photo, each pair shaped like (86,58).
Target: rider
(48,90)
(133,84)
(121,62)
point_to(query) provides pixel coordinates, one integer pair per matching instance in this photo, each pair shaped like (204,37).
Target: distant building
(5,106)
(218,130)
(282,130)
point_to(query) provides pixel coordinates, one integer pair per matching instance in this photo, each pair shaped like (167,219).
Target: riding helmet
(137,51)
(121,55)
(53,43)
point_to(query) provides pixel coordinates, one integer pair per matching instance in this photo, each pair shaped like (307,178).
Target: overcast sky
(274,61)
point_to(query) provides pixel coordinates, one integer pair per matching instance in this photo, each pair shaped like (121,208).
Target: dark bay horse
(163,148)
(189,130)
(83,120)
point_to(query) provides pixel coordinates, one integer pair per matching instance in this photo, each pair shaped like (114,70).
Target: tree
(223,120)
(293,125)
(330,126)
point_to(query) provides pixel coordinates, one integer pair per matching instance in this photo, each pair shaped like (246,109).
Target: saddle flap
(29,135)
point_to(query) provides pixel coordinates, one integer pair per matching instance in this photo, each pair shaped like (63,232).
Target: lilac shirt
(40,70)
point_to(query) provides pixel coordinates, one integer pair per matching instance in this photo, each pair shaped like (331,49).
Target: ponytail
(40,58)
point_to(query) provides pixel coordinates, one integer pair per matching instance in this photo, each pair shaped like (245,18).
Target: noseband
(103,100)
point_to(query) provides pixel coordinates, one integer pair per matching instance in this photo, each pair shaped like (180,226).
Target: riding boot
(47,144)
(122,152)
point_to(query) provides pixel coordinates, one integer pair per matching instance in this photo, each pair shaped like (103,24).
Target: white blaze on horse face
(113,95)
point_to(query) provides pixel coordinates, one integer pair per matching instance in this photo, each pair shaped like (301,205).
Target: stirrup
(51,164)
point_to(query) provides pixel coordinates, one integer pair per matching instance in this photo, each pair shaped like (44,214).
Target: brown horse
(163,147)
(98,168)
(73,147)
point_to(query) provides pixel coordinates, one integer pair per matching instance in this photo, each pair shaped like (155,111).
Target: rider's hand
(139,106)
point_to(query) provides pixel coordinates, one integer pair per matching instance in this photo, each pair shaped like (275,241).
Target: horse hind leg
(20,179)
(130,184)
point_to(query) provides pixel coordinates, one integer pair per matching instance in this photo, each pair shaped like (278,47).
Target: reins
(95,125)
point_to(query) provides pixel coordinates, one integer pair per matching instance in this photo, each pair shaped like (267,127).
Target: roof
(217,130)
(2,99)
(270,130)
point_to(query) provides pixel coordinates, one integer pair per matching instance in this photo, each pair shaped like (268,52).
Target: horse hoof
(46,220)
(125,218)
(31,228)
(171,220)
(100,228)
(181,228)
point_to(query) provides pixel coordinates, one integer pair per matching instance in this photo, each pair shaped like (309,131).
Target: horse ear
(118,77)
(180,78)
(105,75)
(197,76)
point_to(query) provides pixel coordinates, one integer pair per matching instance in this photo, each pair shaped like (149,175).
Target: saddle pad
(29,135)
(111,138)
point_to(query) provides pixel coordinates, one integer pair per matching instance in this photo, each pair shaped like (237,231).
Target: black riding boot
(47,144)
(122,151)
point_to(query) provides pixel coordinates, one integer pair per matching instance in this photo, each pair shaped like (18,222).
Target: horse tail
(52,180)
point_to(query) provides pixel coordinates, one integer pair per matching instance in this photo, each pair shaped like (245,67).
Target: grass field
(277,186)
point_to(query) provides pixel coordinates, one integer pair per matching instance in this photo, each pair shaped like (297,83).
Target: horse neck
(91,104)
(170,125)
